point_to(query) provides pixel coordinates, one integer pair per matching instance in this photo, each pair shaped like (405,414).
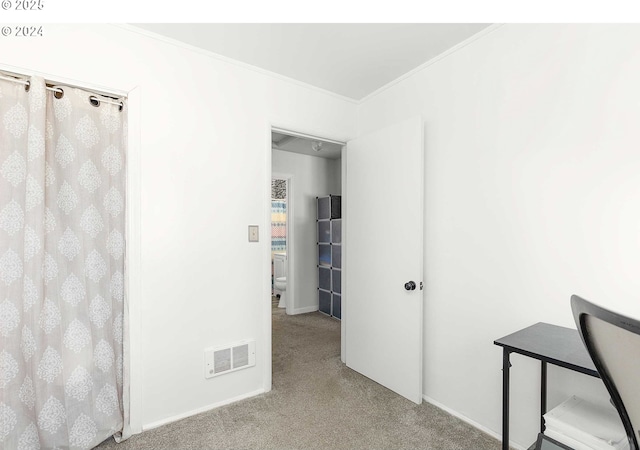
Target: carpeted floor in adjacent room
(316,403)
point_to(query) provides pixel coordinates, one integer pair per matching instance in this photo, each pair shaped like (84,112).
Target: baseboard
(193,412)
(471,422)
(306,309)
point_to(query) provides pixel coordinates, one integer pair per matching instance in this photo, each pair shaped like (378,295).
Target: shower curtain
(278,225)
(62,302)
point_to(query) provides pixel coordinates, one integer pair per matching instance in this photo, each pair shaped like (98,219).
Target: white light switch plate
(253,233)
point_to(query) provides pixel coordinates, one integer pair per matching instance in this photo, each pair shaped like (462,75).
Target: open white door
(383,215)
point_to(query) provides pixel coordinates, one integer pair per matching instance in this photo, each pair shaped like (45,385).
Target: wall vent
(220,360)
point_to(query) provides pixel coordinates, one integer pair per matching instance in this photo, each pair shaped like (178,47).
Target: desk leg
(543,394)
(506,364)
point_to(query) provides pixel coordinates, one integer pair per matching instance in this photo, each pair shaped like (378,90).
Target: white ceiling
(352,60)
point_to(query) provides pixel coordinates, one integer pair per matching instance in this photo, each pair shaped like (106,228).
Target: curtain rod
(61,91)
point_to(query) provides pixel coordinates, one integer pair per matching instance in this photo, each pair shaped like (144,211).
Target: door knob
(410,286)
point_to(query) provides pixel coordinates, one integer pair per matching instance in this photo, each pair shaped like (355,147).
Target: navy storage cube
(336,256)
(324,278)
(324,254)
(324,301)
(336,207)
(324,208)
(336,276)
(324,231)
(336,231)
(337,306)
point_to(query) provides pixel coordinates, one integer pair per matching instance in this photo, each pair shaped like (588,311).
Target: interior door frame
(265,300)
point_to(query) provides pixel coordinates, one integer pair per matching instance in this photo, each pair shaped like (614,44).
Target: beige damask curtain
(62,247)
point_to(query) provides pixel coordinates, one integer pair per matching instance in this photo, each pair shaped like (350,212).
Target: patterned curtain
(62,303)
(278,225)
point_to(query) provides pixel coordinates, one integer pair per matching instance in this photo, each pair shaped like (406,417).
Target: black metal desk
(548,343)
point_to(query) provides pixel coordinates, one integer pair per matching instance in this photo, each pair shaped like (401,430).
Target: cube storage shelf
(329,227)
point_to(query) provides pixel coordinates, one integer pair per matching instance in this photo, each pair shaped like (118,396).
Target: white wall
(531,191)
(204,153)
(312,177)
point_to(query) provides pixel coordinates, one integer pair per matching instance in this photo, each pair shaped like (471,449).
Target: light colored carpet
(316,403)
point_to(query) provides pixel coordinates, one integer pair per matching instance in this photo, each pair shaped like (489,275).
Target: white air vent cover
(227,359)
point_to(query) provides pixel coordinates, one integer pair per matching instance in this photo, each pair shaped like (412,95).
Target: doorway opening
(305,171)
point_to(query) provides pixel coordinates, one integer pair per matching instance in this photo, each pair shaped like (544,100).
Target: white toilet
(280,284)
(280,276)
